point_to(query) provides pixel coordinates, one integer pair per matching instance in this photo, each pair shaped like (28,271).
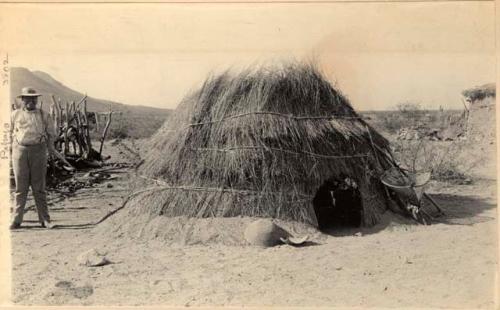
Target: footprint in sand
(65,289)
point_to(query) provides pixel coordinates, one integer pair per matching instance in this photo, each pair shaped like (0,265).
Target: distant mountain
(135,121)
(45,76)
(47,85)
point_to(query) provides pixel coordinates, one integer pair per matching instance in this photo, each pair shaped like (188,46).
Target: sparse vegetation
(411,115)
(131,125)
(120,128)
(443,159)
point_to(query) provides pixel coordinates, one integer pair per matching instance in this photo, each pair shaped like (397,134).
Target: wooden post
(96,115)
(66,126)
(79,133)
(72,119)
(57,121)
(60,109)
(105,132)
(466,116)
(56,114)
(52,113)
(81,100)
(86,128)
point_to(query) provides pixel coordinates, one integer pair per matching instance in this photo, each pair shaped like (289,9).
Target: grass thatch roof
(480,92)
(261,143)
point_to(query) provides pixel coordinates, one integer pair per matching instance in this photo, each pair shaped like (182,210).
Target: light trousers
(30,168)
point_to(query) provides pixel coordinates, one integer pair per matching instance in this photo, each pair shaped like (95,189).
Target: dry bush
(480,92)
(445,159)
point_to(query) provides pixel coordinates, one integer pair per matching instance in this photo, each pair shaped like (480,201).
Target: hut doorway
(337,203)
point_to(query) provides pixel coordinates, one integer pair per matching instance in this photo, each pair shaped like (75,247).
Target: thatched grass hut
(263,143)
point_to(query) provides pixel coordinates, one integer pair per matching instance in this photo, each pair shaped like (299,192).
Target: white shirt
(30,127)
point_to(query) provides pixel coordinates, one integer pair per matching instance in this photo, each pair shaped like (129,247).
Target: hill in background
(133,121)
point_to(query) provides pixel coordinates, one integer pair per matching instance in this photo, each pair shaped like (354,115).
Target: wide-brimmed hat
(28,92)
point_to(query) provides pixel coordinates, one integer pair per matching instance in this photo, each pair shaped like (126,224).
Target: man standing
(32,134)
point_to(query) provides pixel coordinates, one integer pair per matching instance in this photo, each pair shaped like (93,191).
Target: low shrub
(444,159)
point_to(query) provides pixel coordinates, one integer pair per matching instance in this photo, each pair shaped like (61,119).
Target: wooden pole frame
(79,133)
(86,128)
(105,132)
(66,126)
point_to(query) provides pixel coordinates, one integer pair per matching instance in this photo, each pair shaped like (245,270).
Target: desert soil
(450,264)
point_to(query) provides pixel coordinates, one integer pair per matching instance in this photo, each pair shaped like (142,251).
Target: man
(32,134)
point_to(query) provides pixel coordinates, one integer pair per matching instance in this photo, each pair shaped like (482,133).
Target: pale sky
(379,54)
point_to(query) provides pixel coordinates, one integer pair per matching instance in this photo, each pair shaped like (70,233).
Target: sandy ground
(450,264)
